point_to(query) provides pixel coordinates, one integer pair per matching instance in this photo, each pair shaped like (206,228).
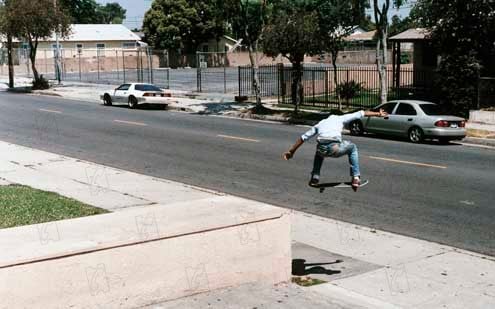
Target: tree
(337,19)
(91,12)
(381,22)
(33,21)
(463,33)
(291,33)
(110,13)
(6,28)
(81,11)
(248,19)
(183,24)
(399,25)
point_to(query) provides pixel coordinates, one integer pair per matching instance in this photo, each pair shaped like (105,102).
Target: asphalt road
(440,193)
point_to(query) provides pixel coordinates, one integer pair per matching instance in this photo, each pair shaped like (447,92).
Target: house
(224,44)
(425,58)
(85,37)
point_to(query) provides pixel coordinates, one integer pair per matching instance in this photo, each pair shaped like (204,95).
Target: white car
(133,94)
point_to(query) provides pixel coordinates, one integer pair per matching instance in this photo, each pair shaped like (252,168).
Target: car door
(121,93)
(378,124)
(403,119)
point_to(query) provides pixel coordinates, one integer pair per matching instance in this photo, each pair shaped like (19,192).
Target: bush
(457,83)
(349,90)
(41,84)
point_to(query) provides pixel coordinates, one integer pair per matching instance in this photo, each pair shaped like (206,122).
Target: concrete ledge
(140,256)
(485,117)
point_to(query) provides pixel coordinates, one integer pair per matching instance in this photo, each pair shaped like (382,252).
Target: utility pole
(57,52)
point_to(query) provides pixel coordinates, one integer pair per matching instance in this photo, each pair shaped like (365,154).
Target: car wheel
(416,135)
(132,102)
(356,128)
(107,100)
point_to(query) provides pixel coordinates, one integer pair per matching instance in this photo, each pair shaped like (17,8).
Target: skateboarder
(330,144)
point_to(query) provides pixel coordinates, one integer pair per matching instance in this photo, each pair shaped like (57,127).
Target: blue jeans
(336,150)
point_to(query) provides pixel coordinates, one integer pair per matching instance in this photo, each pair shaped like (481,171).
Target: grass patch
(307,281)
(480,133)
(21,205)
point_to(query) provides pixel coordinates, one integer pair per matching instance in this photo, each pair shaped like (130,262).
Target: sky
(137,8)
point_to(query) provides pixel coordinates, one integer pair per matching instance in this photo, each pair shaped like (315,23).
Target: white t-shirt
(331,128)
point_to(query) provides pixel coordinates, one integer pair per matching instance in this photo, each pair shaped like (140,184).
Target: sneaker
(356,182)
(314,181)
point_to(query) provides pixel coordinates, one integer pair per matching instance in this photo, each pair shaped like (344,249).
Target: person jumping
(330,144)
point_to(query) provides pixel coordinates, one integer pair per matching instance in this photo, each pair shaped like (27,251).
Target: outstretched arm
(290,153)
(381,113)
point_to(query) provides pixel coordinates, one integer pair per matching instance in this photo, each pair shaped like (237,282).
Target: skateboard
(323,186)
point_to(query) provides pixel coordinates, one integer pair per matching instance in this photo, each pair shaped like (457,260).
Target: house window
(55,51)
(131,45)
(79,48)
(100,49)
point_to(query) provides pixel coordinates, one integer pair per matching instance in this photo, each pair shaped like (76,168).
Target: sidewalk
(378,269)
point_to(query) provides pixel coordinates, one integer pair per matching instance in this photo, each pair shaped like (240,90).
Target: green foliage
(399,25)
(349,89)
(110,13)
(247,18)
(41,83)
(34,21)
(457,83)
(464,34)
(291,31)
(91,12)
(183,24)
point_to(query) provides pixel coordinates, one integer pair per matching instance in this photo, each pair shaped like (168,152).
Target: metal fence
(359,86)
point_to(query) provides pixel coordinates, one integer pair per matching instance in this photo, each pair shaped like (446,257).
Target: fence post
(150,66)
(225,73)
(168,78)
(347,81)
(117,61)
(314,89)
(281,73)
(198,72)
(80,73)
(326,86)
(98,62)
(123,64)
(239,79)
(46,64)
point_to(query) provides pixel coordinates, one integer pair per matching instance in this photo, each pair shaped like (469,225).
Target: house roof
(413,34)
(98,32)
(361,36)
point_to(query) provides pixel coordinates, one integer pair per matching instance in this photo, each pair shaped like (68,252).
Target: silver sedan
(415,120)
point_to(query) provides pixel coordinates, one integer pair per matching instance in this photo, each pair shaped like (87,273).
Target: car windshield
(432,109)
(147,88)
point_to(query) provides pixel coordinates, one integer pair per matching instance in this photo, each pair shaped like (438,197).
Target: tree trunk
(335,79)
(32,56)
(255,74)
(297,87)
(382,65)
(10,61)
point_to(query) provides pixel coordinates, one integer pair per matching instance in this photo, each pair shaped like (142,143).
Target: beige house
(87,39)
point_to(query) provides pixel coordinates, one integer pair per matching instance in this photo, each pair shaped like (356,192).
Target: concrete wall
(485,117)
(352,57)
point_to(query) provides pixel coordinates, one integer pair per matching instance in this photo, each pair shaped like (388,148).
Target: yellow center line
(50,111)
(408,162)
(239,138)
(132,123)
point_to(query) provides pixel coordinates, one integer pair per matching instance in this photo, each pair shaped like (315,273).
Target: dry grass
(480,133)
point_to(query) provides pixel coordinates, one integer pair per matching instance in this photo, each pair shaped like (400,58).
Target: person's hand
(383,113)
(288,155)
